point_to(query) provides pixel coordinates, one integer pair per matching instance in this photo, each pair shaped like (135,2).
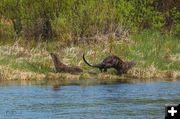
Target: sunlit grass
(154,53)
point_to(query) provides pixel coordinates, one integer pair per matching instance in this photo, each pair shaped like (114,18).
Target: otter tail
(97,66)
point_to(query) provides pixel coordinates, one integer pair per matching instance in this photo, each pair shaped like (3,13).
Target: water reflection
(56,87)
(89,82)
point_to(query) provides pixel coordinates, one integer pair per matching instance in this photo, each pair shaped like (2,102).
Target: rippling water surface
(111,101)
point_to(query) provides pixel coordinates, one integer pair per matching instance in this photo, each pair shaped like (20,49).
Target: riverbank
(7,73)
(157,56)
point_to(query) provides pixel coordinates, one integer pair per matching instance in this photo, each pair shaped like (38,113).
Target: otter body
(60,67)
(112,62)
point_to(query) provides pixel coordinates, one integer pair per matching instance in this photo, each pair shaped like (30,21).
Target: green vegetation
(146,31)
(67,20)
(157,55)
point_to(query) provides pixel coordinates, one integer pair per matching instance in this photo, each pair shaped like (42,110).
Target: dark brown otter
(113,62)
(60,67)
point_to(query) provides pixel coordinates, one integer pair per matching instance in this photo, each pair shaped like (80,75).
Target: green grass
(151,48)
(148,48)
(33,67)
(23,64)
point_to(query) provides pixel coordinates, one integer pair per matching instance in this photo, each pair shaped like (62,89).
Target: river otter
(60,67)
(113,62)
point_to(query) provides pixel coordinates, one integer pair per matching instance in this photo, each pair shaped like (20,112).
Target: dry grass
(18,62)
(7,73)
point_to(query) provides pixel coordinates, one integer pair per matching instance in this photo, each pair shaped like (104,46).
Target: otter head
(128,65)
(52,54)
(131,64)
(56,60)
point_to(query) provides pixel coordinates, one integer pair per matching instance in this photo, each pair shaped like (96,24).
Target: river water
(110,101)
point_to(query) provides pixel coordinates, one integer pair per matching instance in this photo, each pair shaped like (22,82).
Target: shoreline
(8,74)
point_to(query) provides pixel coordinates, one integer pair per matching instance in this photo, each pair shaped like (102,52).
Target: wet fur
(112,62)
(60,67)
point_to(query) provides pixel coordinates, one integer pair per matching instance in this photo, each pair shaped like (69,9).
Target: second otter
(113,62)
